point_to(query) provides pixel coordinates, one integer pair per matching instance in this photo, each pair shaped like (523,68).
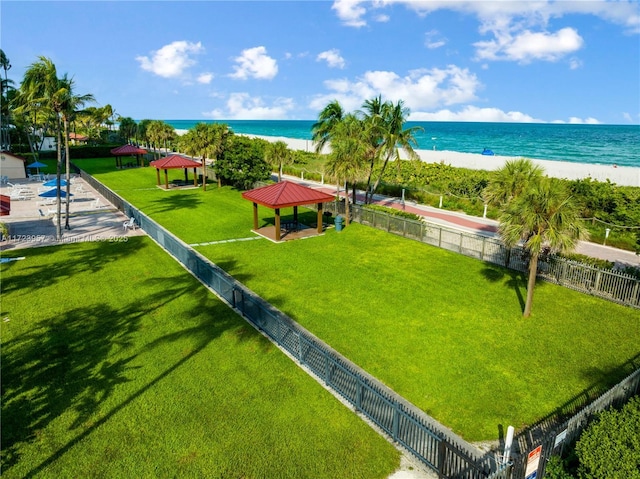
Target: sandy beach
(621,175)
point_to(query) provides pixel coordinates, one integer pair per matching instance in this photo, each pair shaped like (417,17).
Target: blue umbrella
(52,193)
(37,165)
(54,182)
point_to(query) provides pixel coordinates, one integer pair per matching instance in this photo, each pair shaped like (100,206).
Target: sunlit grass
(443,330)
(117,363)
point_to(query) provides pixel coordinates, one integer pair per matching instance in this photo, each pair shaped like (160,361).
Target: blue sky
(515,61)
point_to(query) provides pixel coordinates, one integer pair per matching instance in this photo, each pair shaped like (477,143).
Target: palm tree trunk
(58,186)
(68,172)
(346,203)
(384,166)
(531,284)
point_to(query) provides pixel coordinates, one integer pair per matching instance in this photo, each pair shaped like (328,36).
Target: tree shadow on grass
(88,256)
(601,381)
(174,201)
(511,278)
(75,361)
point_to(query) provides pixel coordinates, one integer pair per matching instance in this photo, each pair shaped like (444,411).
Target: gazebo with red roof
(282,195)
(126,150)
(176,161)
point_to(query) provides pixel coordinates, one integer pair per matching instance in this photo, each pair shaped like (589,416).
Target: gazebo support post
(277,224)
(186,176)
(319,218)
(255,216)
(166,179)
(195,176)
(295,214)
(158,175)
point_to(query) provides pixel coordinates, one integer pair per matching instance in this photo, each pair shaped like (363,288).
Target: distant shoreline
(620,175)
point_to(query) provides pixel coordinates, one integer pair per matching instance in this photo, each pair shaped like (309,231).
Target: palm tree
(69,103)
(204,141)
(5,115)
(278,154)
(349,150)
(511,180)
(395,137)
(41,89)
(543,217)
(127,128)
(322,130)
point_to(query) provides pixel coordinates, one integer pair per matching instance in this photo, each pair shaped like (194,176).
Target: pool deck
(33,219)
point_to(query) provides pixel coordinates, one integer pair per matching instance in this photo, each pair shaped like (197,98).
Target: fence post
(484,241)
(439,237)
(396,421)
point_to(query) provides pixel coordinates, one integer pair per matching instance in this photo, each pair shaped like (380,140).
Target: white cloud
(420,89)
(255,63)
(527,46)
(518,29)
(242,106)
(205,78)
(350,12)
(171,60)
(434,40)
(583,121)
(332,57)
(473,113)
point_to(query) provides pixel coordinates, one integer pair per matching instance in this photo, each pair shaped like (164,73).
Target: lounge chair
(130,223)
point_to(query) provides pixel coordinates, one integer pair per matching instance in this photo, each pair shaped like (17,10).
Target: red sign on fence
(532,463)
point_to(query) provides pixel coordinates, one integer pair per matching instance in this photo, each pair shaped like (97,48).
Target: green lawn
(443,330)
(117,363)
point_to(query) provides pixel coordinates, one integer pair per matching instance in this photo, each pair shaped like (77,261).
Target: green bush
(610,447)
(393,212)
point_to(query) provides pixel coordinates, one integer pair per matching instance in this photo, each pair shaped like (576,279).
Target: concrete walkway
(33,219)
(473,224)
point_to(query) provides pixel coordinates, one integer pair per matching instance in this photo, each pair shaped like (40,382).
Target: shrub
(610,447)
(393,212)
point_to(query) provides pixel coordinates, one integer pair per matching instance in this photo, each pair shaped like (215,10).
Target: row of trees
(44,102)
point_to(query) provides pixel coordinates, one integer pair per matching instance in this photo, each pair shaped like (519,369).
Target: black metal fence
(610,285)
(436,446)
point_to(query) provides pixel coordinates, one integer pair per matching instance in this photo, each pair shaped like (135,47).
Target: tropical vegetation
(609,448)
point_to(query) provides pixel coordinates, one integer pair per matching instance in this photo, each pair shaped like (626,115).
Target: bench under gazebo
(286,194)
(176,161)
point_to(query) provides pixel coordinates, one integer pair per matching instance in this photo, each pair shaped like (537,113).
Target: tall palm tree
(395,137)
(349,149)
(372,113)
(41,88)
(511,180)
(69,104)
(541,216)
(278,154)
(5,115)
(322,130)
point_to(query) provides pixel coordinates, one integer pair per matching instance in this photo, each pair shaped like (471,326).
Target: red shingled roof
(175,161)
(285,194)
(128,150)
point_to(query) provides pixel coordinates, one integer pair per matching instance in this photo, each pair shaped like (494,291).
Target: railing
(610,285)
(437,447)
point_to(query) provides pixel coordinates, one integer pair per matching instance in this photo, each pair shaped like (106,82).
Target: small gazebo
(176,161)
(283,195)
(126,150)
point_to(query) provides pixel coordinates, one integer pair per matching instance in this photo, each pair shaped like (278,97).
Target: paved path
(474,224)
(32,222)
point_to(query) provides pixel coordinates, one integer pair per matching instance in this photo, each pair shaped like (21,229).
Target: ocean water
(595,144)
